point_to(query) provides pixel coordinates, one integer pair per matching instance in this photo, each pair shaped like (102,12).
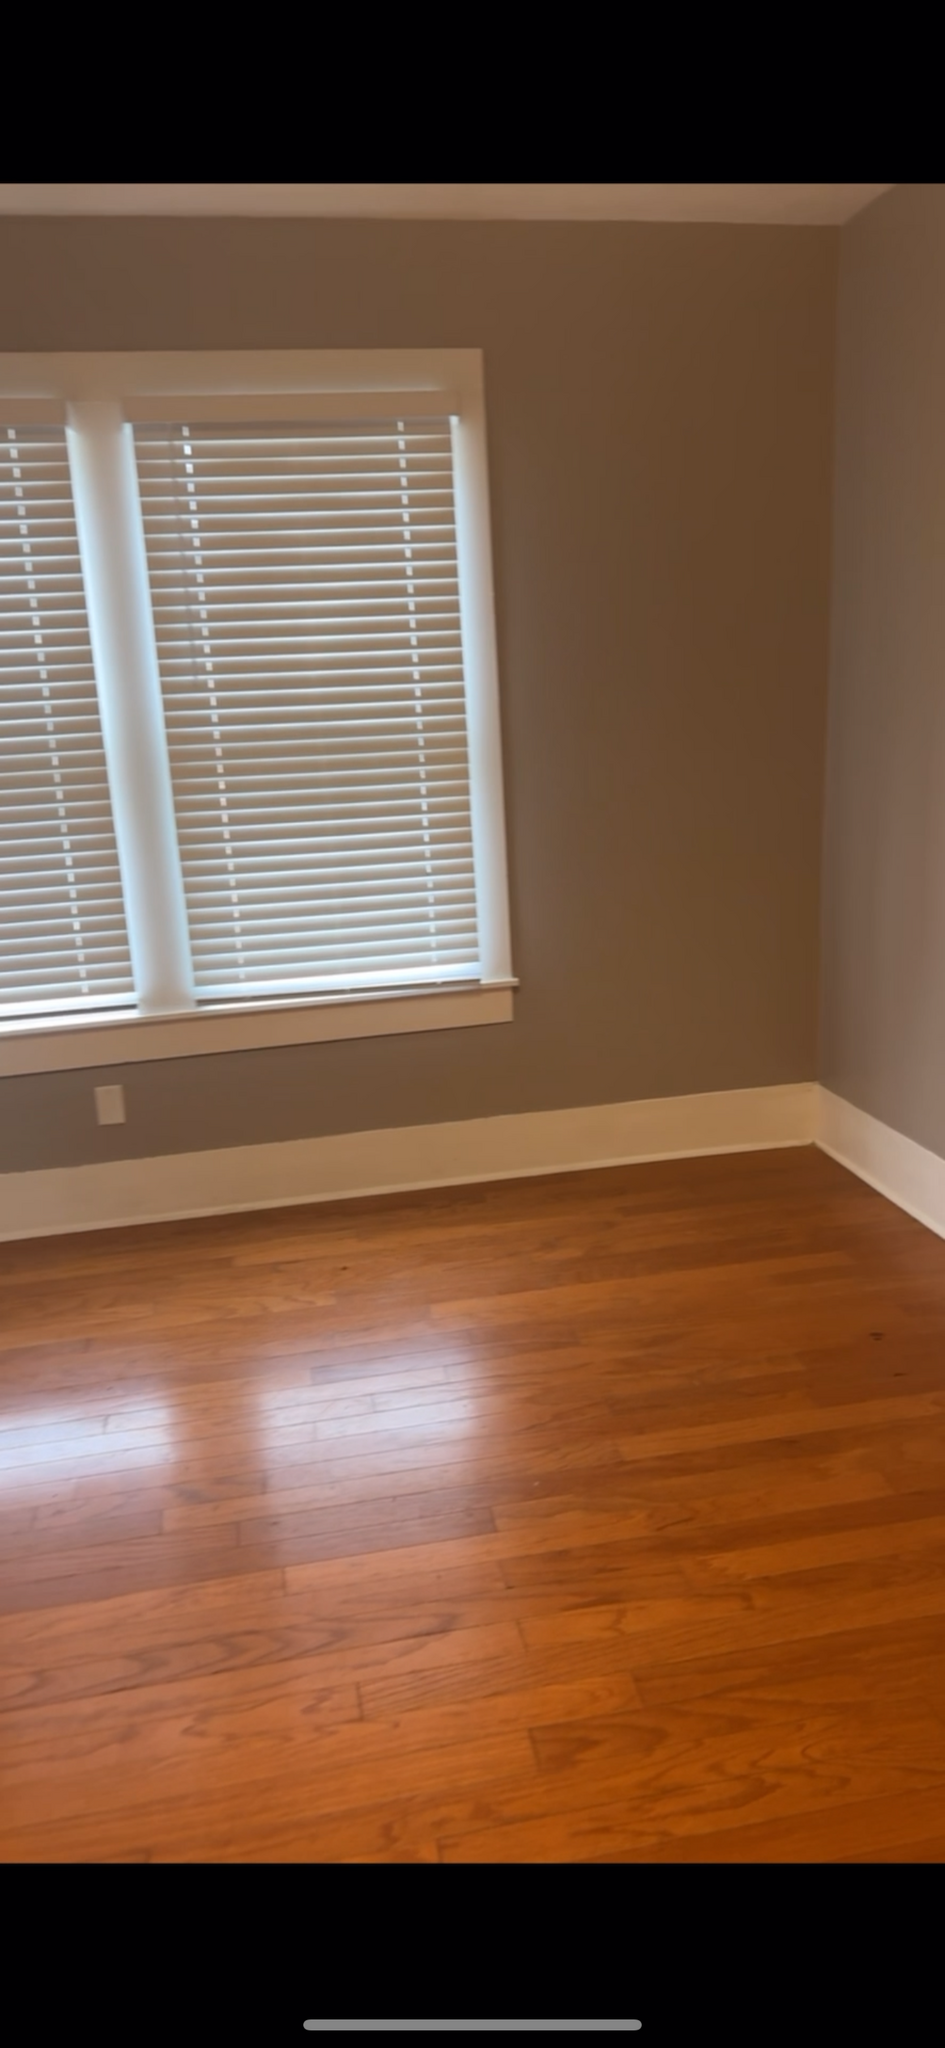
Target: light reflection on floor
(416,1399)
(56,1440)
(332,1416)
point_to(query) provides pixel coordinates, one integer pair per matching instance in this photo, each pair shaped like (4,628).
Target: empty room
(472,1099)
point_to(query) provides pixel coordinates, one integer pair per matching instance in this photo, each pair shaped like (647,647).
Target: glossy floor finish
(595,1517)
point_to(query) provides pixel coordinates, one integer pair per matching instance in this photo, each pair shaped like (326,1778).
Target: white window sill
(47,1045)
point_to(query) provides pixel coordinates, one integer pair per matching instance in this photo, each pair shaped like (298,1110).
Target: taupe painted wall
(883,1004)
(660,420)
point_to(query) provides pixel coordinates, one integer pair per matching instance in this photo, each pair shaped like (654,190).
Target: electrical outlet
(110,1105)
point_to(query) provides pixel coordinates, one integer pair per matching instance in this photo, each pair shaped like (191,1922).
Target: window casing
(288,638)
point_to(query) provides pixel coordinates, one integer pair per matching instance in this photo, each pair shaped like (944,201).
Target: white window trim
(94,395)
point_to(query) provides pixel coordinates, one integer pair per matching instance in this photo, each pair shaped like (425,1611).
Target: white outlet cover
(110,1104)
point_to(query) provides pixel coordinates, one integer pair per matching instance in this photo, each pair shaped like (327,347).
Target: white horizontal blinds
(306,608)
(63,939)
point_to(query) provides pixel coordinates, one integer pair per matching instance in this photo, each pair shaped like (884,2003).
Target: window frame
(94,394)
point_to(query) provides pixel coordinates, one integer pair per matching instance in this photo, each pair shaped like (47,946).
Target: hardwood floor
(595,1517)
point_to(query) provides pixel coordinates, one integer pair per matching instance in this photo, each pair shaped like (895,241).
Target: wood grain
(593,1518)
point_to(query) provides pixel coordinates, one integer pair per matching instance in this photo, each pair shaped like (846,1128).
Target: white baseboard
(180,1184)
(116,1192)
(895,1166)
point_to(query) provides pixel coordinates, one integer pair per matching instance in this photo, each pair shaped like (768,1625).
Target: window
(249,738)
(305,596)
(63,944)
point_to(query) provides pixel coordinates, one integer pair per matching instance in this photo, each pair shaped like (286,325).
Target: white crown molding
(123,1191)
(784,205)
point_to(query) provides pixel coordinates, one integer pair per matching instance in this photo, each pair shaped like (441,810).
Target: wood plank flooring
(599,1517)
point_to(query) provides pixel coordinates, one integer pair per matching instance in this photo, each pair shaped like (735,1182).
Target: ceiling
(784,205)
